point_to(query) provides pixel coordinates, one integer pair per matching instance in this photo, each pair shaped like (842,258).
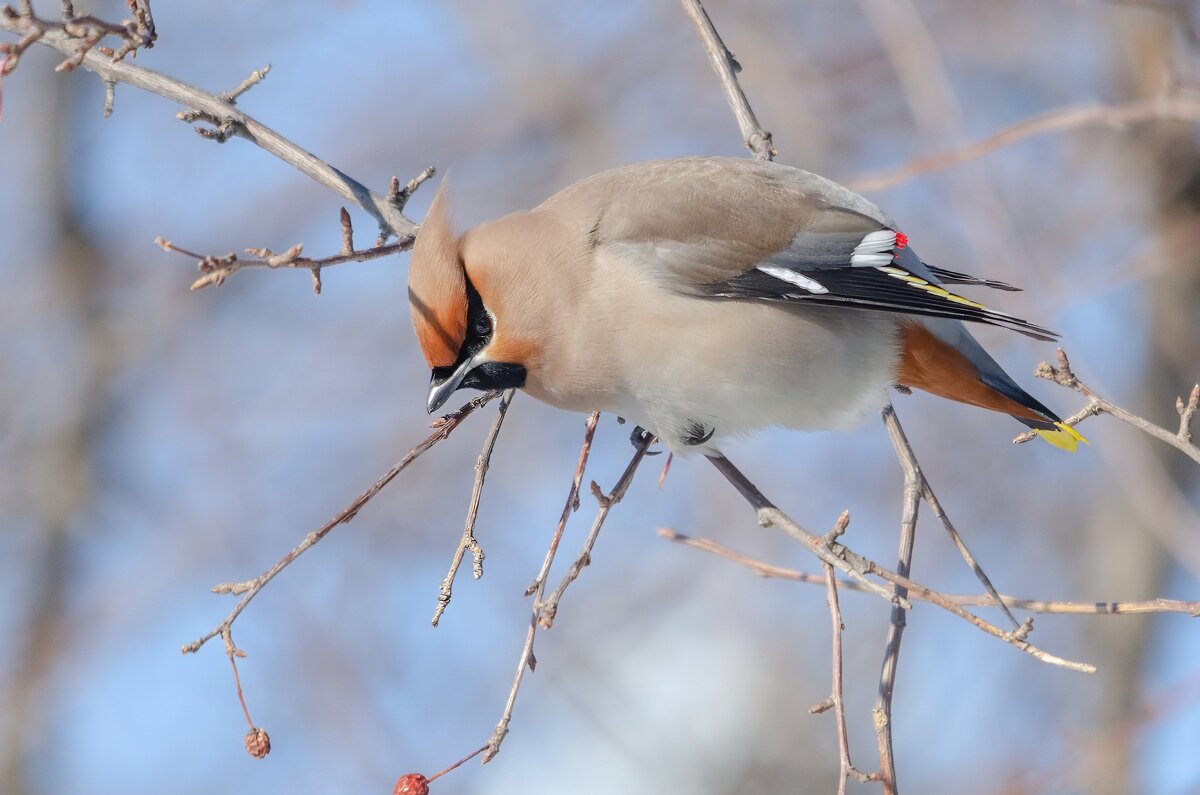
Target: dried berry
(258,743)
(412,784)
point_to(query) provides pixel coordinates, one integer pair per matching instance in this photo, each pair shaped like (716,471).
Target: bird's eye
(483,325)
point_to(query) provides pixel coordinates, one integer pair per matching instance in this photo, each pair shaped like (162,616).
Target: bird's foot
(640,437)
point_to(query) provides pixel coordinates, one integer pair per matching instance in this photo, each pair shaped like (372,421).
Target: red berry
(412,784)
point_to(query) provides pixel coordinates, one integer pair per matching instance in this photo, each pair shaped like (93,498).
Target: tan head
(474,307)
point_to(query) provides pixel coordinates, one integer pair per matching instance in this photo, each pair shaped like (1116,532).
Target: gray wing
(728,228)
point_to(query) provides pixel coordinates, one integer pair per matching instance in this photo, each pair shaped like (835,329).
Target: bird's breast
(695,371)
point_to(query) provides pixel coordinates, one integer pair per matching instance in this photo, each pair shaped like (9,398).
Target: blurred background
(154,441)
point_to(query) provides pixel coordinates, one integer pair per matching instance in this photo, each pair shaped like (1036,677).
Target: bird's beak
(440,391)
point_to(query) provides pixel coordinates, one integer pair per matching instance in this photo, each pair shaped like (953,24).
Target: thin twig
(234,652)
(539,583)
(1164,108)
(1090,410)
(537,589)
(549,608)
(882,711)
(257,742)
(1180,440)
(216,269)
(459,763)
(835,701)
(757,139)
(399,196)
(1099,608)
(908,460)
(256,77)
(444,426)
(468,541)
(1187,413)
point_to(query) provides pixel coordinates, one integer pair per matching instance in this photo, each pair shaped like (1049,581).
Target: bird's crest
(437,286)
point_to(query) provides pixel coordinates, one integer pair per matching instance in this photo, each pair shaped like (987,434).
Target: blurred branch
(444,426)
(1181,440)
(228,119)
(1170,107)
(1099,608)
(757,139)
(468,541)
(1179,14)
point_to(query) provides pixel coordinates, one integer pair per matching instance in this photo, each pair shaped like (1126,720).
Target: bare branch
(835,700)
(1098,608)
(86,31)
(216,269)
(468,541)
(549,608)
(398,197)
(256,77)
(770,516)
(444,426)
(882,711)
(539,583)
(1187,413)
(1181,440)
(757,139)
(230,119)
(909,463)
(845,559)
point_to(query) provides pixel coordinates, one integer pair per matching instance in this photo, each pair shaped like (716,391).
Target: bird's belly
(696,372)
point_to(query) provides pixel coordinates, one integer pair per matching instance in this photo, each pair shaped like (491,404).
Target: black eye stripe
(480,325)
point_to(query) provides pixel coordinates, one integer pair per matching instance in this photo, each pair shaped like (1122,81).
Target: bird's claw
(640,438)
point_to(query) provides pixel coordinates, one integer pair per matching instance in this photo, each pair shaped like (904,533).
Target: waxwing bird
(705,298)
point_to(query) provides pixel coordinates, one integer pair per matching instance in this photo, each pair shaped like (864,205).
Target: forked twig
(1181,440)
(549,607)
(836,702)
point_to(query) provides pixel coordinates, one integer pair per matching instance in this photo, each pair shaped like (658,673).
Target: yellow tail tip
(1064,437)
